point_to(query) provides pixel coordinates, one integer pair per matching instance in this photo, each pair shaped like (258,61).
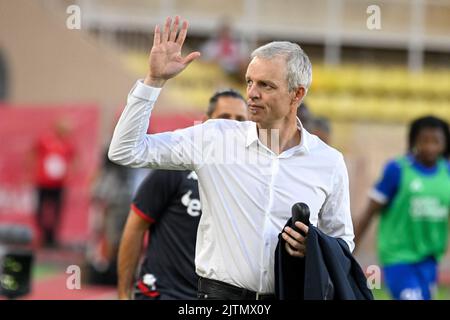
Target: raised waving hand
(165,60)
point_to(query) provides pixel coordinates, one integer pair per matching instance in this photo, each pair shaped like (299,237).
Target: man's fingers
(295,242)
(191,57)
(294,234)
(293,252)
(289,249)
(292,242)
(174,30)
(166,31)
(182,34)
(157,36)
(303,227)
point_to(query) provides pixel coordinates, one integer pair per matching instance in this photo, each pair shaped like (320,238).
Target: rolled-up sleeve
(335,216)
(132,146)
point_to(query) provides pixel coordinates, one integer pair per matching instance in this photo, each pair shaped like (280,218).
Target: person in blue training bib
(413,199)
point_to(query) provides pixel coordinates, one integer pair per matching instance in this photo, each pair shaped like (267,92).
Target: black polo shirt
(170,201)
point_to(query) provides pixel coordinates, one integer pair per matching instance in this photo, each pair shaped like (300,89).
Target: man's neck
(279,137)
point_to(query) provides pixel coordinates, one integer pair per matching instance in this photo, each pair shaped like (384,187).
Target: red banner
(19,130)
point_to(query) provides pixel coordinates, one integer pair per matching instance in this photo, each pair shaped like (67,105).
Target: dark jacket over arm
(328,272)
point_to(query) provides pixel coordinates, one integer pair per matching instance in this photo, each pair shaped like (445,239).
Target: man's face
(230,108)
(269,100)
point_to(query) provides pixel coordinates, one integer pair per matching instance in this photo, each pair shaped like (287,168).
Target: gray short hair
(299,69)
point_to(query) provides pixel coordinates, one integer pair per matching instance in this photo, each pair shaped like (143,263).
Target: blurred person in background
(227,51)
(413,199)
(111,196)
(53,155)
(321,127)
(168,200)
(305,115)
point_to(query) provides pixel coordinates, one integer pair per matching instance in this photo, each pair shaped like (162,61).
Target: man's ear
(299,94)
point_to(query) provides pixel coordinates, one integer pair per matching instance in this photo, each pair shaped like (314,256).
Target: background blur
(368,82)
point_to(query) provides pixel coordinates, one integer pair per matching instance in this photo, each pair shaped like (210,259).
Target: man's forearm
(127,142)
(129,253)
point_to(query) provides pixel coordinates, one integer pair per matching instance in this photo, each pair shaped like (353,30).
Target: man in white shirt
(250,173)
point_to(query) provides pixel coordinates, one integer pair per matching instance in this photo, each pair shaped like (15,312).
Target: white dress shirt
(247,191)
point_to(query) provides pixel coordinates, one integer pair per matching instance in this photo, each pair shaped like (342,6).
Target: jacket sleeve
(335,217)
(132,146)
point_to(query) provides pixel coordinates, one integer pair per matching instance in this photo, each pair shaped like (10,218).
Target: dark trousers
(49,213)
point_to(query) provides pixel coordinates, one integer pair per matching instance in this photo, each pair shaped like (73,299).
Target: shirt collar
(252,136)
(304,140)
